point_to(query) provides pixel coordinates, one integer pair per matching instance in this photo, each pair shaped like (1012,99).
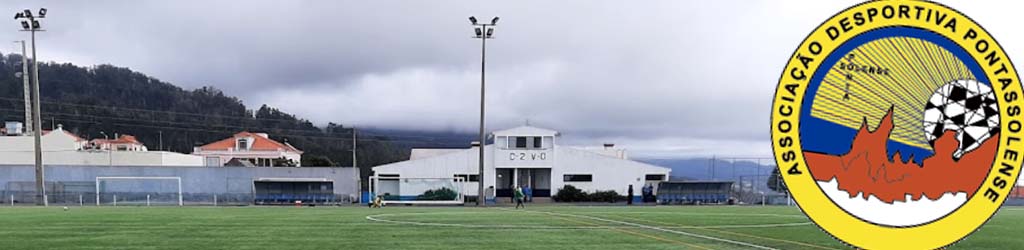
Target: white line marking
(377,218)
(688,213)
(660,229)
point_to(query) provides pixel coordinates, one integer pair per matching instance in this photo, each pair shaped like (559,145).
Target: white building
(61,147)
(525,156)
(251,150)
(121,143)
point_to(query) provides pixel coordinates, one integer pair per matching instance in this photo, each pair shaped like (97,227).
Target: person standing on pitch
(629,195)
(518,195)
(512,198)
(528,192)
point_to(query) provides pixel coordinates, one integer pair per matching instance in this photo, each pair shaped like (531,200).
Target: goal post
(418,190)
(133,188)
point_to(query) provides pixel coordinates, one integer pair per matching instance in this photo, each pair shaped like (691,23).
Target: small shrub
(606,196)
(569,193)
(440,194)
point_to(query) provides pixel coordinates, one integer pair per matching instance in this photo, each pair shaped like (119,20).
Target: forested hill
(88,100)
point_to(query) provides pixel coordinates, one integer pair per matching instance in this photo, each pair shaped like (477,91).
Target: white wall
(226,155)
(609,173)
(103,158)
(445,166)
(54,141)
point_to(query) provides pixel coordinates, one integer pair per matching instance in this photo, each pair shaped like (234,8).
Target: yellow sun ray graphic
(906,71)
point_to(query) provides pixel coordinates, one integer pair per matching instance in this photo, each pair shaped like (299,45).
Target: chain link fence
(173,186)
(56,196)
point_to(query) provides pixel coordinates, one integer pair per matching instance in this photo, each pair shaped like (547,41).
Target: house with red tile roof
(121,143)
(249,150)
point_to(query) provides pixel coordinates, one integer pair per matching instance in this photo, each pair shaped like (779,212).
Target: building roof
(419,153)
(261,141)
(526,131)
(77,139)
(123,139)
(466,160)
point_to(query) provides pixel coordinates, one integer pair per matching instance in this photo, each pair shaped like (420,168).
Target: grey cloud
(667,78)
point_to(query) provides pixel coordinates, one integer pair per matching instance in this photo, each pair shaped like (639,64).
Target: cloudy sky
(662,78)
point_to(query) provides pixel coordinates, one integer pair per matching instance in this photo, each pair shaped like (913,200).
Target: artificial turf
(356,227)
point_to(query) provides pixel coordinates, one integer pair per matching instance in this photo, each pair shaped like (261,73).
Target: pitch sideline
(657,229)
(376,218)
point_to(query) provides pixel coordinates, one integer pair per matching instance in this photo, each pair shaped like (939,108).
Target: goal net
(138,191)
(398,190)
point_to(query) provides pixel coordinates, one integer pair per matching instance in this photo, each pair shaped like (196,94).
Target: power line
(150,110)
(214,116)
(182,123)
(231,131)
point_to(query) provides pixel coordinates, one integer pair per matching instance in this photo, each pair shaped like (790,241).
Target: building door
(539,179)
(503,182)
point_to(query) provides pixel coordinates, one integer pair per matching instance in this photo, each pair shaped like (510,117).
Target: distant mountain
(423,139)
(117,100)
(718,169)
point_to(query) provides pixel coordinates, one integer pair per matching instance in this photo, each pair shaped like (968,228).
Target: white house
(60,147)
(525,156)
(60,141)
(251,150)
(121,143)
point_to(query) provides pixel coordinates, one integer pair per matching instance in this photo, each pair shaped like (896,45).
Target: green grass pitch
(400,227)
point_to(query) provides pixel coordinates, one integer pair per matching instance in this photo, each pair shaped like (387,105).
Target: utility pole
(28,89)
(110,153)
(31,25)
(483,33)
(161,140)
(354,147)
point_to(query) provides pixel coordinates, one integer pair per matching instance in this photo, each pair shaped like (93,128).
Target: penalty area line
(659,229)
(631,232)
(736,233)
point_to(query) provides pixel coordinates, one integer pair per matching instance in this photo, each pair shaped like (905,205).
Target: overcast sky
(663,79)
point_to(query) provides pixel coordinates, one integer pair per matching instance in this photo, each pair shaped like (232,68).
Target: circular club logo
(897,124)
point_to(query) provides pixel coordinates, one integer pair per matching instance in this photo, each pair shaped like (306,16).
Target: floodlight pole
(28,88)
(32,25)
(483,33)
(37,130)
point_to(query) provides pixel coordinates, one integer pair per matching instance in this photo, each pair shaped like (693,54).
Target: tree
(118,100)
(775,182)
(317,161)
(283,162)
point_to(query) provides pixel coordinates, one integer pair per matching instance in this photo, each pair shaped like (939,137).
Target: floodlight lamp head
(35,24)
(490,31)
(27,13)
(472,19)
(25,25)
(42,12)
(494,21)
(479,32)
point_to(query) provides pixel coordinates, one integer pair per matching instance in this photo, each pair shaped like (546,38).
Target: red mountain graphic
(866,167)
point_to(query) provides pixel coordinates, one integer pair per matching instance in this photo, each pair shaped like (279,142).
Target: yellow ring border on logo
(806,192)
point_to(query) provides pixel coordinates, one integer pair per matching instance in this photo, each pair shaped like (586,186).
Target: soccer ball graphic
(65,208)
(965,106)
